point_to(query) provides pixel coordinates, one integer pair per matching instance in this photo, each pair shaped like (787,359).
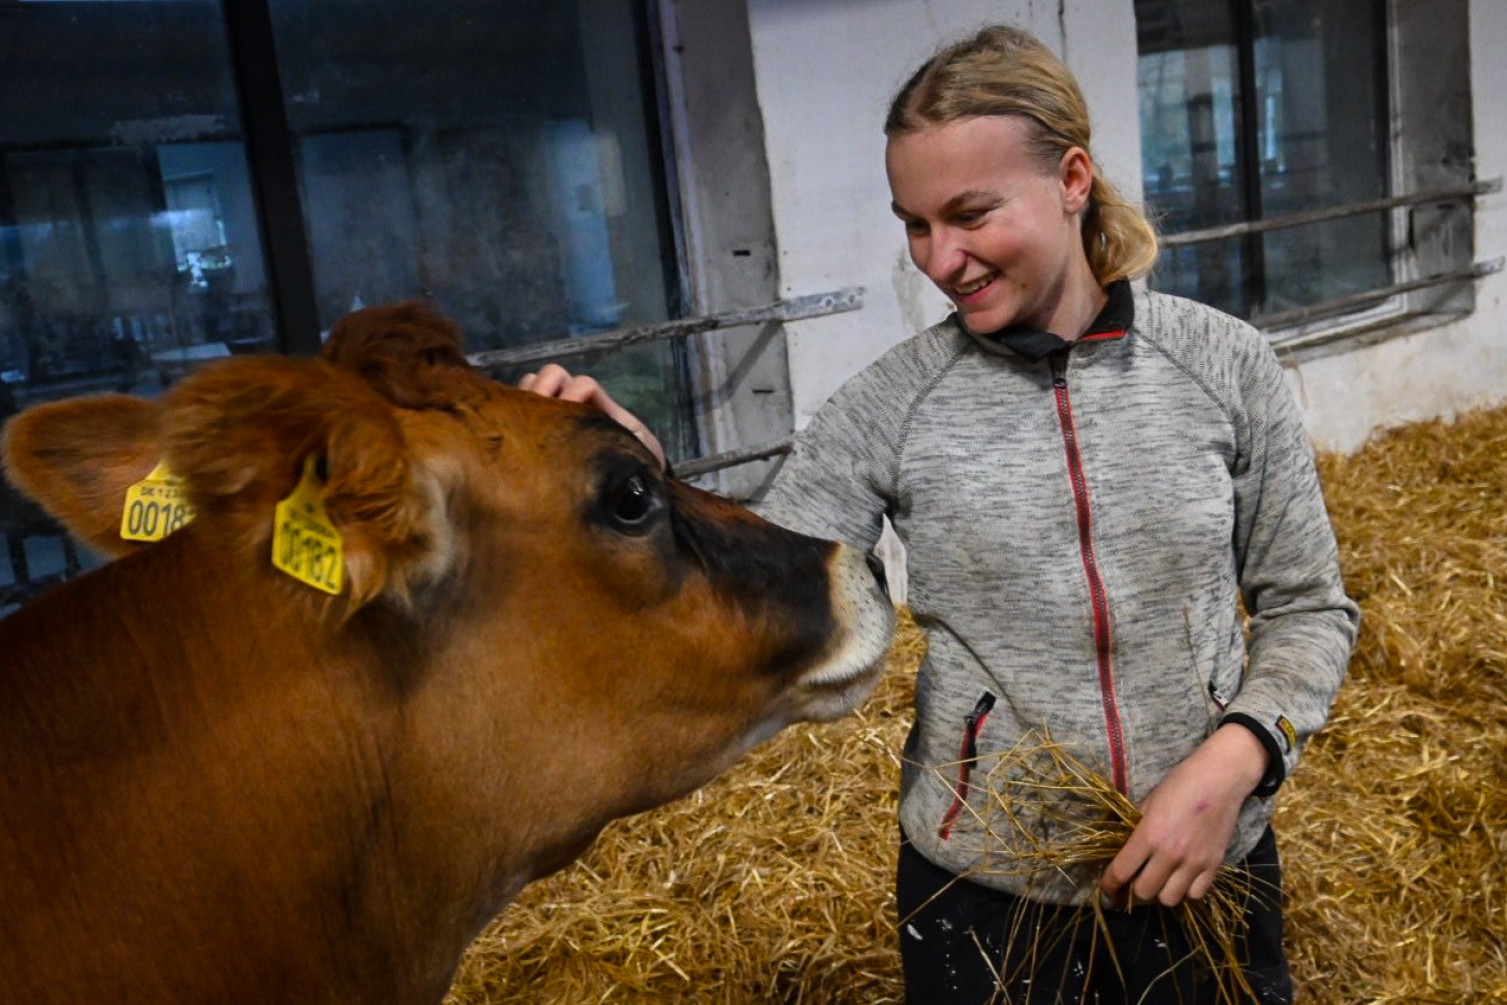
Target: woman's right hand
(554,381)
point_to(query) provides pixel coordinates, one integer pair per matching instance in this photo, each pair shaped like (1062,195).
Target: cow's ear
(77,458)
(239,434)
(406,352)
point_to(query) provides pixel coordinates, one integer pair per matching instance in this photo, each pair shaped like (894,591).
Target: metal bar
(1252,259)
(1331,213)
(815,305)
(1300,314)
(731,458)
(657,90)
(274,175)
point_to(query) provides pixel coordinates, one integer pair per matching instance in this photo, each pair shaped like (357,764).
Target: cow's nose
(876,566)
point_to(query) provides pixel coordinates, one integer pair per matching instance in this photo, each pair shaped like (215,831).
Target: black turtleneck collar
(1113,321)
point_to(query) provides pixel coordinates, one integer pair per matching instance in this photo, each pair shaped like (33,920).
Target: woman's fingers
(548,381)
(554,381)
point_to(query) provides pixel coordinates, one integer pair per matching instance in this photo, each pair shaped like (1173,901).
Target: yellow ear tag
(155,506)
(305,544)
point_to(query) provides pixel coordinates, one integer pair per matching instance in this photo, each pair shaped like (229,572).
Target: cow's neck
(271,769)
(468,762)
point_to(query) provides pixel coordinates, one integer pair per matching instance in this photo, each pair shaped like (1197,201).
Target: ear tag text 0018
(155,506)
(305,543)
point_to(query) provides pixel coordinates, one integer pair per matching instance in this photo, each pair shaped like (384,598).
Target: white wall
(826,70)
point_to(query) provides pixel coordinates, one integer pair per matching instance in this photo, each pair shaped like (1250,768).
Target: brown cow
(218,784)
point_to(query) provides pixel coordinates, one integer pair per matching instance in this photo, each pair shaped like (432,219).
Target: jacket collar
(1032,344)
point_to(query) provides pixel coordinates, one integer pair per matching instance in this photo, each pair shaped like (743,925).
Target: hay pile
(773,884)
(1394,828)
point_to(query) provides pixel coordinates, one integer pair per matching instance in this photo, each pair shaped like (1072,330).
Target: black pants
(965,944)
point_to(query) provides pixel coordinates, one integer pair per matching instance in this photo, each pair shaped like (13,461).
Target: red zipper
(1095,581)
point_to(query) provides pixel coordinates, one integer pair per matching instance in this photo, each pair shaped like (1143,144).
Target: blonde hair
(1003,70)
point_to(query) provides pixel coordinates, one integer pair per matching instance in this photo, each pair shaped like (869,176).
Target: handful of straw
(1078,823)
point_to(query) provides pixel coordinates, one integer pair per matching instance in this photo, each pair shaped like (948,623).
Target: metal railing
(1298,315)
(732,458)
(1187,237)
(1334,305)
(813,305)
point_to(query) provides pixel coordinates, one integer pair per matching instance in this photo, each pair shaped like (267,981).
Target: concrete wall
(826,70)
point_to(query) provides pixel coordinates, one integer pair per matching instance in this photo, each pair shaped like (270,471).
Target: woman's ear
(1076,174)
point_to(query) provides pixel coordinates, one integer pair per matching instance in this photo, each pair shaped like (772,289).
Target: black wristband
(1276,766)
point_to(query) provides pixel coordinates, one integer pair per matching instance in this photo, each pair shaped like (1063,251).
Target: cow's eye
(632,503)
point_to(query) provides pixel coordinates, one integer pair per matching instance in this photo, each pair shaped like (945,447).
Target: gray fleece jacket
(1080,530)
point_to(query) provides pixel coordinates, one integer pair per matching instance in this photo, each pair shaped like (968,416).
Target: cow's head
(570,636)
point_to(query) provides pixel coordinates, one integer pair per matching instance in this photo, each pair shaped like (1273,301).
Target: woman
(1088,480)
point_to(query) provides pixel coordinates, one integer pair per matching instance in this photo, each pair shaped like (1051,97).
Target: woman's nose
(946,255)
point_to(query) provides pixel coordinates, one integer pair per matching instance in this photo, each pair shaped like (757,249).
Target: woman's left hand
(554,381)
(1175,852)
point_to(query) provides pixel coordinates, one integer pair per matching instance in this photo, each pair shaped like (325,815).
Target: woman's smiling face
(997,231)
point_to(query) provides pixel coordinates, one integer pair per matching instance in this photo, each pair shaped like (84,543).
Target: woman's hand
(1176,851)
(554,381)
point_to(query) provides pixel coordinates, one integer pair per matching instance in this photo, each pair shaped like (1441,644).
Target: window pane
(1314,135)
(1323,143)
(1192,156)
(128,241)
(497,156)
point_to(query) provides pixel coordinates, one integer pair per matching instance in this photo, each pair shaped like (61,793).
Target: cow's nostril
(876,566)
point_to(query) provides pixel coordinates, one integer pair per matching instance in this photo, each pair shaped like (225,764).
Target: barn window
(185,179)
(1308,161)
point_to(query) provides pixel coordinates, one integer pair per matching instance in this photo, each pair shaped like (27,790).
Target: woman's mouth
(964,292)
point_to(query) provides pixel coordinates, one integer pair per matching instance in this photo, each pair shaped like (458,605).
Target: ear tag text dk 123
(155,506)
(305,544)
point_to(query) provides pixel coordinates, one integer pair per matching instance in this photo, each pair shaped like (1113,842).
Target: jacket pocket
(1227,674)
(973,723)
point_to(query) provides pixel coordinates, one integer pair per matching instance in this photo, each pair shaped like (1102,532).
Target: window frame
(274,175)
(715,136)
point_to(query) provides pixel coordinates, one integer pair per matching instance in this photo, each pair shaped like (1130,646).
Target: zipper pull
(983,707)
(1059,369)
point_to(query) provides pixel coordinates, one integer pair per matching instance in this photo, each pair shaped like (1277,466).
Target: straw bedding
(774,883)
